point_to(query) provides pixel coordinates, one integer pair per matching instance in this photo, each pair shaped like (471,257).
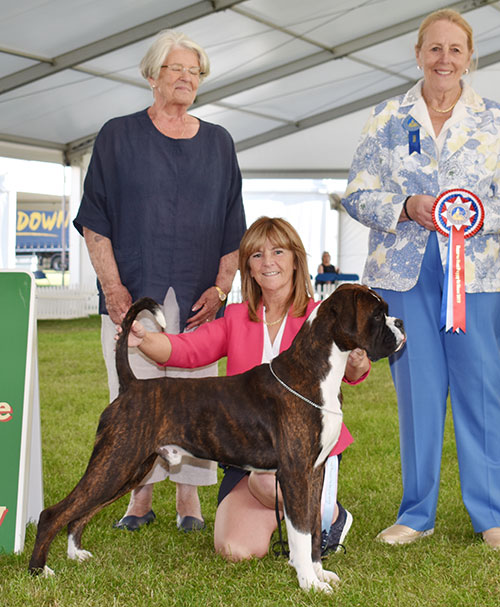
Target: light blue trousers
(431,364)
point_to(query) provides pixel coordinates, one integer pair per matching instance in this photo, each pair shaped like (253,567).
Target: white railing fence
(55,302)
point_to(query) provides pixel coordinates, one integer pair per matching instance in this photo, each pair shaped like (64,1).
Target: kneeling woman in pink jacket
(277,293)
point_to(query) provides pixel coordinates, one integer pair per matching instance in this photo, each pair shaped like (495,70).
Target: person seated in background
(277,299)
(326,267)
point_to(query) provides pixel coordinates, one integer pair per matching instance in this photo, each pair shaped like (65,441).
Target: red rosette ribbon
(457,214)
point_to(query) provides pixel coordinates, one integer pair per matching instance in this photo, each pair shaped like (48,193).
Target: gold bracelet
(222,295)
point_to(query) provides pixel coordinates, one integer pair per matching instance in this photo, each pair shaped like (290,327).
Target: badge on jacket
(413,128)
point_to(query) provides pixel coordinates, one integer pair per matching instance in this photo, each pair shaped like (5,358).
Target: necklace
(165,129)
(184,128)
(274,322)
(448,109)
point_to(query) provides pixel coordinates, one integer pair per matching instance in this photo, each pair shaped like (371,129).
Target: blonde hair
(445,14)
(166,41)
(281,234)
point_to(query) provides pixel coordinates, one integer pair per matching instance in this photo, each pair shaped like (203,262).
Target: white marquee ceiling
(291,80)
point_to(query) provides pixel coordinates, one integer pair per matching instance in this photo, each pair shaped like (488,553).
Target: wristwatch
(222,295)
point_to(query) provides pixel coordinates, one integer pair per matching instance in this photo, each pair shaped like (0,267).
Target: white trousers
(191,470)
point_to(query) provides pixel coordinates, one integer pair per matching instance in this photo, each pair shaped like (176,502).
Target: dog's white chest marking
(332,412)
(330,389)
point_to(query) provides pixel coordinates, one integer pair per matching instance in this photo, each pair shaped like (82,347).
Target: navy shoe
(133,523)
(332,541)
(189,523)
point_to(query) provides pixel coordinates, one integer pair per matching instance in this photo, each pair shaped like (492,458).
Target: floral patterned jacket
(384,173)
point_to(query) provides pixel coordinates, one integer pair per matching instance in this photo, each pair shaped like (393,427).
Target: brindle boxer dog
(285,418)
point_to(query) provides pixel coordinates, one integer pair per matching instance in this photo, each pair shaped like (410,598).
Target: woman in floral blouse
(415,148)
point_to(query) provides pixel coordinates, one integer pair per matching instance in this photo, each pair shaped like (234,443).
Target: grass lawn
(159,566)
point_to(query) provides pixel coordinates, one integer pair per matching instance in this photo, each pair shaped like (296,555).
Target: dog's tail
(125,373)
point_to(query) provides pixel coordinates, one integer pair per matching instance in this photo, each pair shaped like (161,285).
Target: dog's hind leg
(77,526)
(86,499)
(51,521)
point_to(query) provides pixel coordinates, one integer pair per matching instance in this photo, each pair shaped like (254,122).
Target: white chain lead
(309,402)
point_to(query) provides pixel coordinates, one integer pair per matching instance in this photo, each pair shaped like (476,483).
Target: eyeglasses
(178,68)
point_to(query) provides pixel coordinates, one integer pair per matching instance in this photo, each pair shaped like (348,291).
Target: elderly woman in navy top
(439,138)
(162,216)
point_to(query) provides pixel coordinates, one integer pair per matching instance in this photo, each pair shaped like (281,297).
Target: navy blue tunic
(171,207)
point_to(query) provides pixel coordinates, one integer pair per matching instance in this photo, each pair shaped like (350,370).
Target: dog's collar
(295,393)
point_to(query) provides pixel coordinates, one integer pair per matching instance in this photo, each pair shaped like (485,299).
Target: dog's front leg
(299,543)
(297,488)
(317,486)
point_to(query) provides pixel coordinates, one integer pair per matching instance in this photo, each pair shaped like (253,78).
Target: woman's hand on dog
(358,364)
(155,346)
(136,335)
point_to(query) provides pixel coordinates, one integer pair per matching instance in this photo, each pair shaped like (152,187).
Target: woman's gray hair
(166,41)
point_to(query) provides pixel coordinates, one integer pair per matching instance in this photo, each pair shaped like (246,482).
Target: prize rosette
(457,214)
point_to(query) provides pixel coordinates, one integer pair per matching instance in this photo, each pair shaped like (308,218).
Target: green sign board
(17,373)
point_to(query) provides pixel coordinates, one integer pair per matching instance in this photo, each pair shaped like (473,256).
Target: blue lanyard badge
(413,128)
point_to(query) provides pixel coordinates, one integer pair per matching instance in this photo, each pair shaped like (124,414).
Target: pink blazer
(242,341)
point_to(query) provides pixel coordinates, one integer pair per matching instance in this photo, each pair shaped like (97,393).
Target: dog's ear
(346,301)
(337,317)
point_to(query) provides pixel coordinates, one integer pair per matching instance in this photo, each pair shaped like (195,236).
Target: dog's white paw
(77,554)
(330,577)
(318,586)
(47,572)
(324,575)
(80,555)
(315,583)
